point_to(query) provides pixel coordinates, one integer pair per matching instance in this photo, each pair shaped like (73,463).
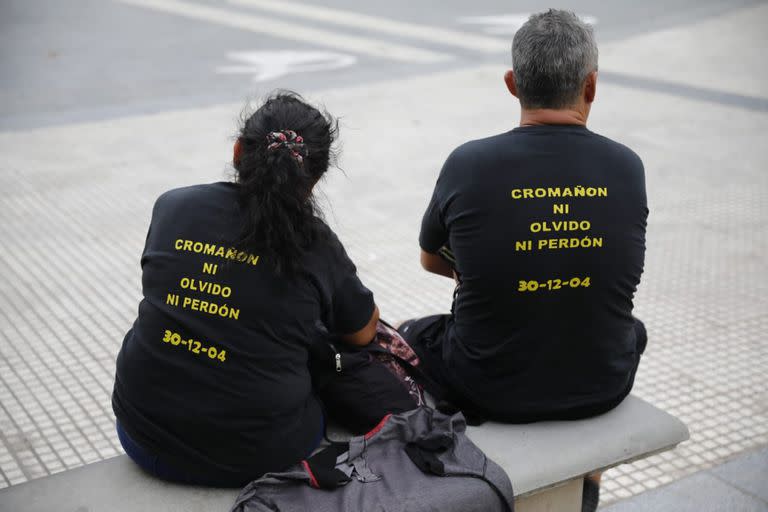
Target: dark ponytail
(280,216)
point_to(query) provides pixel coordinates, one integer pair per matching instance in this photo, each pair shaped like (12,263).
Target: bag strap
(434,389)
(443,401)
(321,467)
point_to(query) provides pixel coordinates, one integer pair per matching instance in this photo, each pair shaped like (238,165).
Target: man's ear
(590,87)
(509,79)
(236,152)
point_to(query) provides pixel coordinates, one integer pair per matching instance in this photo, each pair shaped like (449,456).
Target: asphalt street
(79,60)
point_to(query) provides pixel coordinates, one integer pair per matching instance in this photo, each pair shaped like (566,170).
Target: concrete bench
(545,461)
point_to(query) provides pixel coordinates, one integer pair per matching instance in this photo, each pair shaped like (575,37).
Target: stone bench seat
(545,461)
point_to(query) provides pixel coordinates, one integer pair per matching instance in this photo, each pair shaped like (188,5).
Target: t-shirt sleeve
(434,232)
(352,306)
(352,303)
(157,212)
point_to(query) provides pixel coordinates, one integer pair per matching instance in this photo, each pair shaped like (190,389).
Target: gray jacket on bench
(385,478)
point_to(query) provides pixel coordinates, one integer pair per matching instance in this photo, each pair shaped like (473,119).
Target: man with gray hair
(543,228)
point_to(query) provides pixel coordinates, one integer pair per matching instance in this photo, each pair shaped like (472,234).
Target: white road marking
(269,65)
(507,24)
(292,31)
(375,23)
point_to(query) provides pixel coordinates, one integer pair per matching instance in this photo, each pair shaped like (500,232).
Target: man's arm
(436,256)
(436,264)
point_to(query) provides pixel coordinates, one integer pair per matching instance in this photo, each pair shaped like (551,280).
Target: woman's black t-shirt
(214,371)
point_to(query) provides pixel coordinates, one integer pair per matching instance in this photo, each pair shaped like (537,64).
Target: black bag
(358,386)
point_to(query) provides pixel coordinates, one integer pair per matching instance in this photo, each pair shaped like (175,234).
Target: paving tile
(747,473)
(699,493)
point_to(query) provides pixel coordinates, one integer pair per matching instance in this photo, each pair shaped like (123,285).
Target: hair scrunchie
(292,141)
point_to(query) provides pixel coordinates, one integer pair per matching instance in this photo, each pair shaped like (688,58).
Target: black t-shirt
(214,371)
(547,225)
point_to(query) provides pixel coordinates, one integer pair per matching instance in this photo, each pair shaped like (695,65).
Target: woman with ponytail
(241,282)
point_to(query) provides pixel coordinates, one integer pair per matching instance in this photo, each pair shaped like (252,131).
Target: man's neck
(546,116)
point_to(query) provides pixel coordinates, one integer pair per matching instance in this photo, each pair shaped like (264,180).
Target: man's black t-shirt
(213,373)
(547,225)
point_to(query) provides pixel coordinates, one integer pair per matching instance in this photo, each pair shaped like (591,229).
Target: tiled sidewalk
(740,485)
(75,202)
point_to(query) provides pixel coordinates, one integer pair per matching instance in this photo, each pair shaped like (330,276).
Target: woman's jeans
(149,462)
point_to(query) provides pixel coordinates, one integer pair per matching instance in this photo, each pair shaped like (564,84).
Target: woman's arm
(365,335)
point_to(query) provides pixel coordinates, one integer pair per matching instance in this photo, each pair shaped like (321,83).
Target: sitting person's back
(241,281)
(546,228)
(213,373)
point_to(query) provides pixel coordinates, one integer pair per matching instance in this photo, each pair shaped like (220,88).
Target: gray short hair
(552,55)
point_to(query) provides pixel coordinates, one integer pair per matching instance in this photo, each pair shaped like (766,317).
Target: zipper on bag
(337,358)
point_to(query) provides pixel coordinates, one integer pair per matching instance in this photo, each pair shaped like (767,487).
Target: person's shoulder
(482,146)
(472,151)
(327,253)
(324,241)
(193,194)
(328,241)
(618,150)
